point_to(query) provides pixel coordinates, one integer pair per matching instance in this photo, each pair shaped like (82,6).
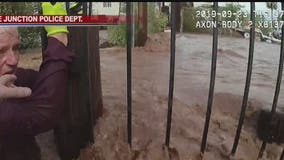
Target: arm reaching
(41,111)
(58,32)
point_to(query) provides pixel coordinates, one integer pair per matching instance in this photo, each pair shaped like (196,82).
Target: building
(106,8)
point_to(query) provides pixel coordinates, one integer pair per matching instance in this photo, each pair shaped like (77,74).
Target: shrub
(117,35)
(156,21)
(30,37)
(190,20)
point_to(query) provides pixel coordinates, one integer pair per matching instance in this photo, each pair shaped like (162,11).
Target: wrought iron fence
(212,80)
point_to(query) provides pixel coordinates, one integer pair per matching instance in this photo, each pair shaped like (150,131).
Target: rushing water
(194,61)
(192,70)
(150,84)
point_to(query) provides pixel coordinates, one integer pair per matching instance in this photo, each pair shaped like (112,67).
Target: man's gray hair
(8,30)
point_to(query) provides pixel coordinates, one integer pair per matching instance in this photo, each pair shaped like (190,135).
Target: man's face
(9,54)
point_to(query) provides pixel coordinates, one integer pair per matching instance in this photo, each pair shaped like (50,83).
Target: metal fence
(268,136)
(212,80)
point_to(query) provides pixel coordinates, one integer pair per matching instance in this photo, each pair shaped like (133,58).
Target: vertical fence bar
(129,94)
(212,82)
(172,72)
(90,8)
(85,8)
(282,155)
(280,71)
(248,79)
(278,85)
(67,5)
(262,148)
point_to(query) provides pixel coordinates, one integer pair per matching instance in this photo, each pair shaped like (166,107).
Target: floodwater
(150,84)
(193,65)
(193,62)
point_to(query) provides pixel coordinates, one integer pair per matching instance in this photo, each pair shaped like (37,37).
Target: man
(42,93)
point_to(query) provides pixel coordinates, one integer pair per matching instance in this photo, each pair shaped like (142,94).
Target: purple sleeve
(39,112)
(26,77)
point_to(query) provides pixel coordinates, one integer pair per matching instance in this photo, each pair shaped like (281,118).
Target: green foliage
(156,21)
(261,19)
(19,8)
(190,19)
(229,9)
(272,6)
(30,36)
(117,35)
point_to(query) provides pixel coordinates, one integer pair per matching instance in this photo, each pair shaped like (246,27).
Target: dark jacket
(22,119)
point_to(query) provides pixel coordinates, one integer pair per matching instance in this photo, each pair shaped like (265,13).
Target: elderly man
(31,101)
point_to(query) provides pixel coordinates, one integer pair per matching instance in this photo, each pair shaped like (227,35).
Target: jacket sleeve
(39,112)
(26,77)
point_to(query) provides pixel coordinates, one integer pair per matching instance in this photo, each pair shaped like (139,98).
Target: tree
(231,8)
(19,8)
(272,6)
(142,24)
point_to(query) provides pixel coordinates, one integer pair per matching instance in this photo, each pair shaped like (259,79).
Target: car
(276,34)
(245,32)
(272,37)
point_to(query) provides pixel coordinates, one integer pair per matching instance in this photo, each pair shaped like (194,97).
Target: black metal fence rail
(282,155)
(248,79)
(277,88)
(129,82)
(172,71)
(212,82)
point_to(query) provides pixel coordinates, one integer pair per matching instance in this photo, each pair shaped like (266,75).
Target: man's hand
(9,90)
(58,32)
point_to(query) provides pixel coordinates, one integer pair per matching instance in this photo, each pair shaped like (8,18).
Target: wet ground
(193,61)
(150,71)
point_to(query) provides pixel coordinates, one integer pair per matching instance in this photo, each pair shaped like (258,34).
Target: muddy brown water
(193,62)
(150,83)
